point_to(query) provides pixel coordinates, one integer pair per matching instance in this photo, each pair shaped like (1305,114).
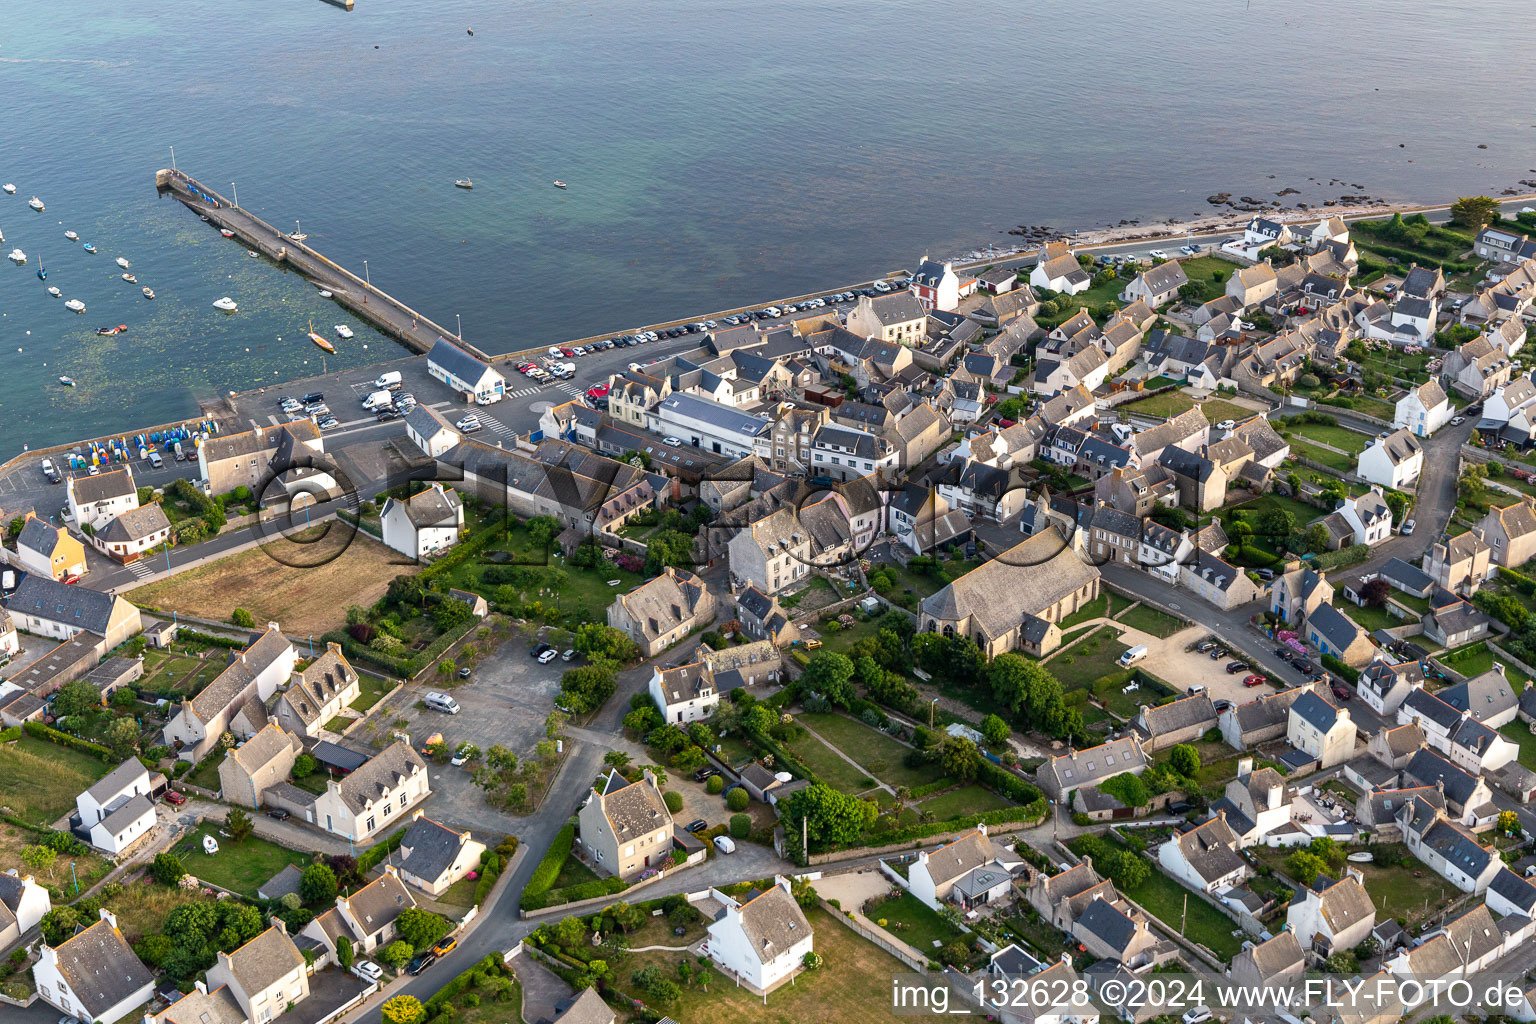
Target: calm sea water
(717,153)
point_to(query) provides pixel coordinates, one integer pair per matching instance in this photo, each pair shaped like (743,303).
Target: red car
(568,352)
(72,578)
(1253,680)
(1342,693)
(598,391)
(174,797)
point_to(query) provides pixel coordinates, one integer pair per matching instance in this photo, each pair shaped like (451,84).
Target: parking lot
(505,703)
(1173,660)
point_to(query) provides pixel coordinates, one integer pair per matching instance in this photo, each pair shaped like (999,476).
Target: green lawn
(1475,659)
(371,690)
(1520,732)
(955,803)
(1096,296)
(1085,663)
(880,755)
(1331,459)
(1255,509)
(1339,437)
(206,772)
(1100,607)
(241,867)
(1165,406)
(913,922)
(828,766)
(1374,617)
(573,872)
(1218,409)
(1174,905)
(1151,620)
(1202,270)
(40,780)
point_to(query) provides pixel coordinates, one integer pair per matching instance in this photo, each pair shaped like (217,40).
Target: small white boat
(463,183)
(17,257)
(10,189)
(343,331)
(75,306)
(252,253)
(561,184)
(227,304)
(1363,857)
(123,263)
(324,294)
(68,382)
(210,845)
(36,204)
(71,236)
(149,293)
(226,232)
(54,292)
(130,279)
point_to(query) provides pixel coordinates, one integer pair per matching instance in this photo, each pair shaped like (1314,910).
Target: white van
(389,380)
(725,844)
(441,702)
(1133,655)
(155,460)
(378,400)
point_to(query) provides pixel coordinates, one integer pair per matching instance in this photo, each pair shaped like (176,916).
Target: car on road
(421,963)
(1253,680)
(696,825)
(1457,421)
(1342,692)
(1226,425)
(467,421)
(1234,667)
(329,423)
(539,650)
(465,672)
(570,652)
(548,656)
(1158,254)
(278,814)
(1284,653)
(368,970)
(1302,665)
(1199,1015)
(175,798)
(1407,528)
(672,442)
(704,774)
(445,946)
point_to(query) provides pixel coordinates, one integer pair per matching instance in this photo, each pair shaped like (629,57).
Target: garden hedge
(549,868)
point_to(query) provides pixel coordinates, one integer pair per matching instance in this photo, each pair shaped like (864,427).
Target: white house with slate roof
(1490,698)
(898,318)
(1156,285)
(117,811)
(433,856)
(1447,847)
(1369,516)
(938,286)
(465,374)
(94,975)
(22,905)
(426,523)
(967,871)
(761,940)
(317,694)
(1335,634)
(1393,461)
(129,535)
(1423,410)
(1062,774)
(1331,916)
(430,431)
(1059,270)
(1319,729)
(625,826)
(95,499)
(710,425)
(252,674)
(49,608)
(1205,858)
(367,917)
(372,798)
(266,975)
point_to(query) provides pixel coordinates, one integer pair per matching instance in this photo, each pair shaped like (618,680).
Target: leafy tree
(403,1010)
(1127,869)
(830,674)
(1185,760)
(15,526)
(397,954)
(738,799)
(596,640)
(1127,788)
(1304,866)
(154,950)
(626,916)
(542,530)
(1375,592)
(317,884)
(59,924)
(242,618)
(405,591)
(304,766)
(421,928)
(959,758)
(344,954)
(500,757)
(1474,211)
(238,824)
(1278,523)
(239,923)
(1509,823)
(741,825)
(831,818)
(569,932)
(167,869)
(995,730)
(715,785)
(38,859)
(1342,963)
(587,687)
(673,799)
(76,698)
(667,547)
(451,612)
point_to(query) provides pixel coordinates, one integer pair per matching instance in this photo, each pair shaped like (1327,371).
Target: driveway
(505,703)
(852,888)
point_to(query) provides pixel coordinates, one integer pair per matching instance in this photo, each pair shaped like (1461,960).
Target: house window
(370,823)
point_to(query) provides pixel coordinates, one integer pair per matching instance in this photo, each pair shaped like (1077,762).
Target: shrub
(673,799)
(715,785)
(167,869)
(738,799)
(241,617)
(549,868)
(741,825)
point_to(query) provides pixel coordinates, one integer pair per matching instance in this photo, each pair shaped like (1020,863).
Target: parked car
(696,825)
(279,814)
(1206,647)
(422,962)
(1217,654)
(672,442)
(548,656)
(1233,667)
(1199,1015)
(1221,705)
(1407,527)
(1284,653)
(1342,692)
(570,652)
(464,673)
(539,650)
(1158,254)
(1302,665)
(384,415)
(329,423)
(368,970)
(468,421)
(445,947)
(704,773)
(175,798)
(1253,680)
(1457,421)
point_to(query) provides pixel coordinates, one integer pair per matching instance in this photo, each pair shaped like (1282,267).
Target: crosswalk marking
(140,569)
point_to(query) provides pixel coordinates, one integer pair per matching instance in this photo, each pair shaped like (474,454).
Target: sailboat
(42,271)
(298,232)
(320,340)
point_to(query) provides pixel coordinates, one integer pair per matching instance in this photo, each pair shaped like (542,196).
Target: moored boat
(226,232)
(10,189)
(130,279)
(88,247)
(108,332)
(343,331)
(324,294)
(227,304)
(561,184)
(319,340)
(123,263)
(17,257)
(252,253)
(149,293)
(55,292)
(68,382)
(71,236)
(36,204)
(75,306)
(463,183)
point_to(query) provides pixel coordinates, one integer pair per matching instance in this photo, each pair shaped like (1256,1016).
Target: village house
(1255,803)
(763,618)
(1059,898)
(1489,697)
(1331,916)
(266,976)
(116,812)
(294,450)
(1510,532)
(1113,929)
(993,605)
(1295,595)
(663,610)
(472,378)
(262,761)
(1384,684)
(430,431)
(433,856)
(1477,368)
(49,608)
(93,975)
(1059,271)
(1062,774)
(586,1008)
(1452,622)
(1157,285)
(968,872)
(371,798)
(1260,720)
(1205,858)
(1423,410)
(1394,461)
(1253,285)
(1447,847)
(317,694)
(1276,962)
(625,827)
(1468,798)
(367,918)
(1321,730)
(93,500)
(897,318)
(1180,721)
(1461,563)
(252,674)
(937,286)
(1336,635)
(1497,242)
(762,939)
(426,523)
(133,534)
(49,550)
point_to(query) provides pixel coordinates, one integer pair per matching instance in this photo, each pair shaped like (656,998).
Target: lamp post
(366,280)
(236,193)
(311,645)
(173,158)
(931,705)
(461,325)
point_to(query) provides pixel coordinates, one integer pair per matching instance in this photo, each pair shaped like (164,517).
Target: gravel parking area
(1170,659)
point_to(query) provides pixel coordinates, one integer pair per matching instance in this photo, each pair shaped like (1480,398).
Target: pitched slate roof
(664,603)
(259,963)
(1516,890)
(1426,768)
(135,524)
(101,968)
(1108,922)
(773,923)
(587,1008)
(959,856)
(429,848)
(992,595)
(1165,277)
(633,808)
(1344,902)
(1487,695)
(1275,956)
(110,784)
(1210,849)
(1177,715)
(379,902)
(197,1007)
(431,507)
(114,483)
(380,775)
(456,361)
(1084,767)
(37,535)
(78,606)
(1334,626)
(216,697)
(260,750)
(1315,711)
